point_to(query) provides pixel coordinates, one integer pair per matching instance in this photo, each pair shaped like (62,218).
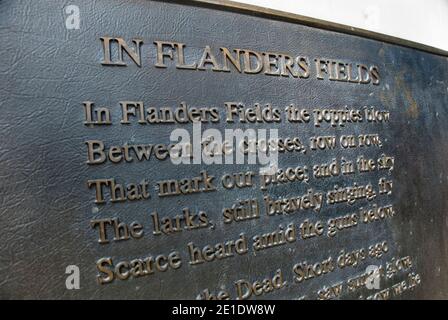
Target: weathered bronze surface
(87,177)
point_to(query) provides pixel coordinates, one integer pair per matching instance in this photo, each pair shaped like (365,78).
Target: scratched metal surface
(46,207)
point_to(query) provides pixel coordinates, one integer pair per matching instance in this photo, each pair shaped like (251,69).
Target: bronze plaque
(209,150)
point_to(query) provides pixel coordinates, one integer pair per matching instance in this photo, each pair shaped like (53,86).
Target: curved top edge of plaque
(312,22)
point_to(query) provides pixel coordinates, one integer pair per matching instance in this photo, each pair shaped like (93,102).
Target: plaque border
(253,10)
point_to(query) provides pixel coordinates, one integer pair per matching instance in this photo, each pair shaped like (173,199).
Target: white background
(416,20)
